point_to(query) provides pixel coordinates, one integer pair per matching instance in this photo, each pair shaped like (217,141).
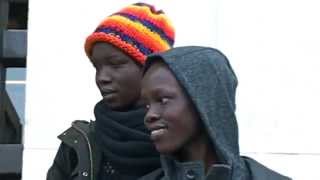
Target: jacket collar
(80,137)
(193,170)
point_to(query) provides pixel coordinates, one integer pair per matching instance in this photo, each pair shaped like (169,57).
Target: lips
(108,93)
(157,131)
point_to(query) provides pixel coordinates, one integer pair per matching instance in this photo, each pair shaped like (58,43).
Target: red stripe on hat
(131,30)
(125,47)
(158,20)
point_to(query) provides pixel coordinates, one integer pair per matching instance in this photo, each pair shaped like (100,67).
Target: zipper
(90,150)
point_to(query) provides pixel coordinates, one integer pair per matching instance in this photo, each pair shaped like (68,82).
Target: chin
(118,106)
(112,105)
(166,150)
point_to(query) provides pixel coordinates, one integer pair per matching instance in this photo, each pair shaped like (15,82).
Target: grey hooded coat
(208,79)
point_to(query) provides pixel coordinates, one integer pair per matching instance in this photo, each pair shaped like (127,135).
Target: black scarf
(124,140)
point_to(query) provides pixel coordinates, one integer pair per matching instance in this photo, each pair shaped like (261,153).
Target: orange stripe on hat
(102,37)
(139,32)
(159,20)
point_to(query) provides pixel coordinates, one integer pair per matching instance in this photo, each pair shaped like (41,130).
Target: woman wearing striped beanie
(116,145)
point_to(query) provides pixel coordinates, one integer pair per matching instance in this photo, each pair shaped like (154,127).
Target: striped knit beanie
(138,30)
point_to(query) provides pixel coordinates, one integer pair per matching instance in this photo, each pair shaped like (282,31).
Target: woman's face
(171,117)
(118,77)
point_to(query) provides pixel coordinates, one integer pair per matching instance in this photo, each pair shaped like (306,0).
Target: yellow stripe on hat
(144,30)
(162,18)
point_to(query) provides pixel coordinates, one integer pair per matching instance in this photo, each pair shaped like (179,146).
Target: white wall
(271,45)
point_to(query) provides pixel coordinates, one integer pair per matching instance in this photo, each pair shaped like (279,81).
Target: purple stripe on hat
(124,37)
(149,25)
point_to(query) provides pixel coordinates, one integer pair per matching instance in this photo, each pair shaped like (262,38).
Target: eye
(164,100)
(116,66)
(148,106)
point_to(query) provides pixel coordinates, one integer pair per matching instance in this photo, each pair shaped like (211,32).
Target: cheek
(130,84)
(97,83)
(130,76)
(183,120)
(192,121)
(182,128)
(175,116)
(133,82)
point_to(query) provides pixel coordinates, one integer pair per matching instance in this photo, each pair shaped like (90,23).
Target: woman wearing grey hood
(190,97)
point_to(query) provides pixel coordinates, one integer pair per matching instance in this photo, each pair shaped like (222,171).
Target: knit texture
(138,30)
(125,142)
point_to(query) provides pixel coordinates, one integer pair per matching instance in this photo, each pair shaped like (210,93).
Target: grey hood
(214,100)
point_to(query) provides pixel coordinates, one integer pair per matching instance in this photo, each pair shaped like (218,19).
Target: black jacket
(116,146)
(78,157)
(208,79)
(256,171)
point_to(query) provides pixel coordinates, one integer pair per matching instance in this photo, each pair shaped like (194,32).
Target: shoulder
(76,131)
(74,136)
(260,172)
(76,149)
(154,175)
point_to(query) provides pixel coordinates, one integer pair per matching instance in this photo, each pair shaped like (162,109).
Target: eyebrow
(160,90)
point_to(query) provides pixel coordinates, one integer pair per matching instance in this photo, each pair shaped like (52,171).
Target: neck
(199,150)
(130,107)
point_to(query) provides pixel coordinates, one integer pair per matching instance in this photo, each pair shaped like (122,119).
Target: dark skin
(118,77)
(175,125)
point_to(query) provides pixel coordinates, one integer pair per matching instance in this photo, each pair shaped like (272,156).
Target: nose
(103,77)
(151,117)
